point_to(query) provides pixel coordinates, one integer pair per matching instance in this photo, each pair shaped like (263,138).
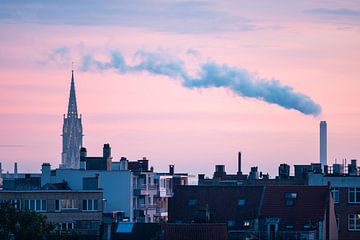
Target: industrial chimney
(239,164)
(323,143)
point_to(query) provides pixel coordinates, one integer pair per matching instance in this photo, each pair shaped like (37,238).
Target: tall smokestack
(323,143)
(15,169)
(239,164)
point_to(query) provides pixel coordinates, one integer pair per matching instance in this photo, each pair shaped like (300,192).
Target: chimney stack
(106,151)
(171,169)
(15,169)
(239,164)
(323,143)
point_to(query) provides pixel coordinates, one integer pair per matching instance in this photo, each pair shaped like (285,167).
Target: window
(192,202)
(289,202)
(354,195)
(335,194)
(289,226)
(14,202)
(290,195)
(231,223)
(67,226)
(65,204)
(290,198)
(37,205)
(241,202)
(354,222)
(90,204)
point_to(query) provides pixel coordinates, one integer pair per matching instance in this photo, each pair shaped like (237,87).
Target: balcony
(145,206)
(165,192)
(145,189)
(161,212)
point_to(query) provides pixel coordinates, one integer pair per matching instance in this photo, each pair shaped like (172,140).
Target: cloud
(210,75)
(171,16)
(334,11)
(11,146)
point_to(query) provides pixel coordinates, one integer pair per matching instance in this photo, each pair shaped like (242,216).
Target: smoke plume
(210,74)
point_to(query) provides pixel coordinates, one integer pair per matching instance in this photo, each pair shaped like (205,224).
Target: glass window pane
(57,205)
(85,205)
(357,196)
(95,204)
(351,196)
(43,205)
(70,203)
(90,205)
(32,204)
(37,205)
(63,203)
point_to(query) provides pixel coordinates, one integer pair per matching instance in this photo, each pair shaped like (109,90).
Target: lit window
(335,194)
(65,204)
(241,202)
(354,195)
(354,222)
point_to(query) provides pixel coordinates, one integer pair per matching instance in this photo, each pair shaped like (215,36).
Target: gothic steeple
(72,107)
(72,132)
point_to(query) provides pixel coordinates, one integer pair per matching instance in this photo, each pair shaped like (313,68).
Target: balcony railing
(146,189)
(147,206)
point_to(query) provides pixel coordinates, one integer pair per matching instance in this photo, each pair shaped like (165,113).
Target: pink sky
(312,47)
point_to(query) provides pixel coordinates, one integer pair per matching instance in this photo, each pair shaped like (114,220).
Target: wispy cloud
(171,16)
(334,11)
(11,146)
(210,75)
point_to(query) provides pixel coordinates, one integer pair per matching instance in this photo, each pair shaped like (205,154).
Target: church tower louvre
(72,133)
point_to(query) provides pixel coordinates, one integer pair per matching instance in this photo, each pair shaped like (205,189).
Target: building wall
(63,215)
(342,208)
(116,185)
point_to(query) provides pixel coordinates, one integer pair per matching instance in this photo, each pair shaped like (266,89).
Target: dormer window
(289,226)
(290,198)
(192,202)
(241,202)
(290,195)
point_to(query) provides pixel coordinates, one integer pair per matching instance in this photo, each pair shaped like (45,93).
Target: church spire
(72,107)
(72,132)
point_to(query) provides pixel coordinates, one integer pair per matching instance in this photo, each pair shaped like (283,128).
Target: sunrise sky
(311,49)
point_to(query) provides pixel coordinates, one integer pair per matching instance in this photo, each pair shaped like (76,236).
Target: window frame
(354,191)
(355,218)
(66,204)
(90,205)
(36,205)
(335,193)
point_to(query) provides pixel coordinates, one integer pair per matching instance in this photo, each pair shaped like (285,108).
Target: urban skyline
(313,50)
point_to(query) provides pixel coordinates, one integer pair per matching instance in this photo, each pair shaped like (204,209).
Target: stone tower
(72,133)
